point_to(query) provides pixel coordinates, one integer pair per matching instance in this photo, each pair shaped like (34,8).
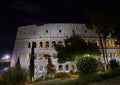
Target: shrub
(86,65)
(85,79)
(50,68)
(61,75)
(113,64)
(39,79)
(71,72)
(14,76)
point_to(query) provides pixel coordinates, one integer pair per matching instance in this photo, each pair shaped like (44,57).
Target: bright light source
(5,57)
(88,55)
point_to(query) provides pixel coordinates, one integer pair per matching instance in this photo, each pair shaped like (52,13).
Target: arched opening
(60,43)
(34,44)
(41,45)
(53,44)
(46,44)
(29,45)
(67,67)
(60,67)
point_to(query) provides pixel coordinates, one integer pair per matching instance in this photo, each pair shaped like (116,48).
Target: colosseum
(45,36)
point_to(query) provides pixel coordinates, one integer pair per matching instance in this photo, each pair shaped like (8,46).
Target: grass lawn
(111,81)
(56,81)
(108,78)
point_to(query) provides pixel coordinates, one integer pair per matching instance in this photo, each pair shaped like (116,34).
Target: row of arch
(41,57)
(41,44)
(48,44)
(108,43)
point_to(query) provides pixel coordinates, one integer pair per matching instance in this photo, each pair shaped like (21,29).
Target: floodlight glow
(88,55)
(5,57)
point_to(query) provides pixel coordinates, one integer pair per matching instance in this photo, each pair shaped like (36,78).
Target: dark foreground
(111,81)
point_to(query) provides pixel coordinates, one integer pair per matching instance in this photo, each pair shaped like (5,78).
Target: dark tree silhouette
(74,48)
(18,66)
(32,57)
(103,22)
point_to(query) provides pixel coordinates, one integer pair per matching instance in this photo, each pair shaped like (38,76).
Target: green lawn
(111,81)
(111,77)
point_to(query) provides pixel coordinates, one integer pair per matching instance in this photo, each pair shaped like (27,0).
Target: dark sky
(15,13)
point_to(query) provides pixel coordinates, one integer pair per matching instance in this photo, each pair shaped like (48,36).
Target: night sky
(15,13)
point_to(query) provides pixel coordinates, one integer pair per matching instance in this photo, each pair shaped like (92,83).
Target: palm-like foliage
(14,76)
(103,23)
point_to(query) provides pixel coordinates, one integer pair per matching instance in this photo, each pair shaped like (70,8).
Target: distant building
(45,36)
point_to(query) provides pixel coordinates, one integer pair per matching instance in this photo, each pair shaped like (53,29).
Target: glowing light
(5,57)
(88,55)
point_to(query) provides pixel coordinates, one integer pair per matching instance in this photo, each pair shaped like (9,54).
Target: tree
(103,22)
(14,75)
(74,48)
(116,33)
(18,66)
(87,65)
(50,68)
(32,57)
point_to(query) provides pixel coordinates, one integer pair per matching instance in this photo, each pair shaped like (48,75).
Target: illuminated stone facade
(45,36)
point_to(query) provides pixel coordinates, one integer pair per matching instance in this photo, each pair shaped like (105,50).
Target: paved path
(54,81)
